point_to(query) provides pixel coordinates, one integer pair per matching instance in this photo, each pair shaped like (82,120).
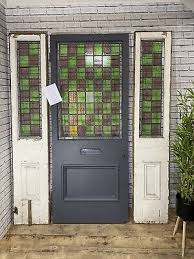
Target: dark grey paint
(90,177)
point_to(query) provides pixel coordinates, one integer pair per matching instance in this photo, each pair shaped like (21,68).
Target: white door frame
(151,155)
(30,155)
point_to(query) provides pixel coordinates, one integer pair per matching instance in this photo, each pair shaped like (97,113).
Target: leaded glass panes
(151,88)
(28,67)
(89,80)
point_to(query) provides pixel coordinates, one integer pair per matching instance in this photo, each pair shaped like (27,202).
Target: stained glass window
(28,63)
(151,88)
(89,80)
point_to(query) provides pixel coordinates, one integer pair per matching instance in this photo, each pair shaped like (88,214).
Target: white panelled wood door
(151,130)
(29,127)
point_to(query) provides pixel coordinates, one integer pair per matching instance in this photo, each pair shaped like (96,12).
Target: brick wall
(5,144)
(126,18)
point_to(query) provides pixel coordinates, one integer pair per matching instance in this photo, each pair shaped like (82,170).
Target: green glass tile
(116,97)
(89,60)
(156,71)
(107,131)
(156,95)
(115,73)
(65,97)
(81,97)
(80,49)
(25,130)
(98,97)
(106,85)
(89,85)
(98,73)
(106,61)
(35,118)
(23,61)
(147,83)
(156,117)
(147,106)
(63,50)
(34,49)
(90,131)
(25,107)
(24,84)
(63,73)
(72,108)
(98,49)
(90,108)
(81,119)
(98,120)
(72,85)
(34,72)
(115,49)
(115,119)
(81,73)
(157,47)
(106,108)
(71,62)
(65,120)
(146,129)
(34,95)
(147,59)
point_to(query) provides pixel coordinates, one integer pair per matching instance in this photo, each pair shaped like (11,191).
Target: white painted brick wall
(126,18)
(5,142)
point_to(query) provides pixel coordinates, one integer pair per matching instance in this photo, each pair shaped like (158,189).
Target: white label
(52,94)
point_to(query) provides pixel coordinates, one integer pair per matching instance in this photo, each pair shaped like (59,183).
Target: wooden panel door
(90,136)
(29,127)
(151,129)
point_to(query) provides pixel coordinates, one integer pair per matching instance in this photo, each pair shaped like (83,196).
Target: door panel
(29,127)
(82,183)
(90,154)
(151,131)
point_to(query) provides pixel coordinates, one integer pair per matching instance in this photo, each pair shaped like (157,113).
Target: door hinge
(15,210)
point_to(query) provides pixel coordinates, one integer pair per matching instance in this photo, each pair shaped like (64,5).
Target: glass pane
(28,63)
(89,80)
(151,88)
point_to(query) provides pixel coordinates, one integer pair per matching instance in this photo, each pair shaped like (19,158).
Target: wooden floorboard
(130,241)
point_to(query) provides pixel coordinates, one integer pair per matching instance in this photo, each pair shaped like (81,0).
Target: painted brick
(5,146)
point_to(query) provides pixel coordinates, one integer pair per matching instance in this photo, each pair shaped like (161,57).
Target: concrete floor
(125,241)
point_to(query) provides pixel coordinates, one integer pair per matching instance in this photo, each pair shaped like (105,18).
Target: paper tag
(52,94)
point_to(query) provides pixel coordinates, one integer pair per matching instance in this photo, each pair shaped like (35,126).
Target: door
(151,131)
(29,128)
(89,128)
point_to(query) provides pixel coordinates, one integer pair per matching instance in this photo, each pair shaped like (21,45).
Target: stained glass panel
(28,65)
(151,88)
(89,80)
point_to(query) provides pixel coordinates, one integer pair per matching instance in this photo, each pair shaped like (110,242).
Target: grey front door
(90,128)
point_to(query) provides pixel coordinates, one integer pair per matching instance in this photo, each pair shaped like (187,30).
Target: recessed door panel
(90,183)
